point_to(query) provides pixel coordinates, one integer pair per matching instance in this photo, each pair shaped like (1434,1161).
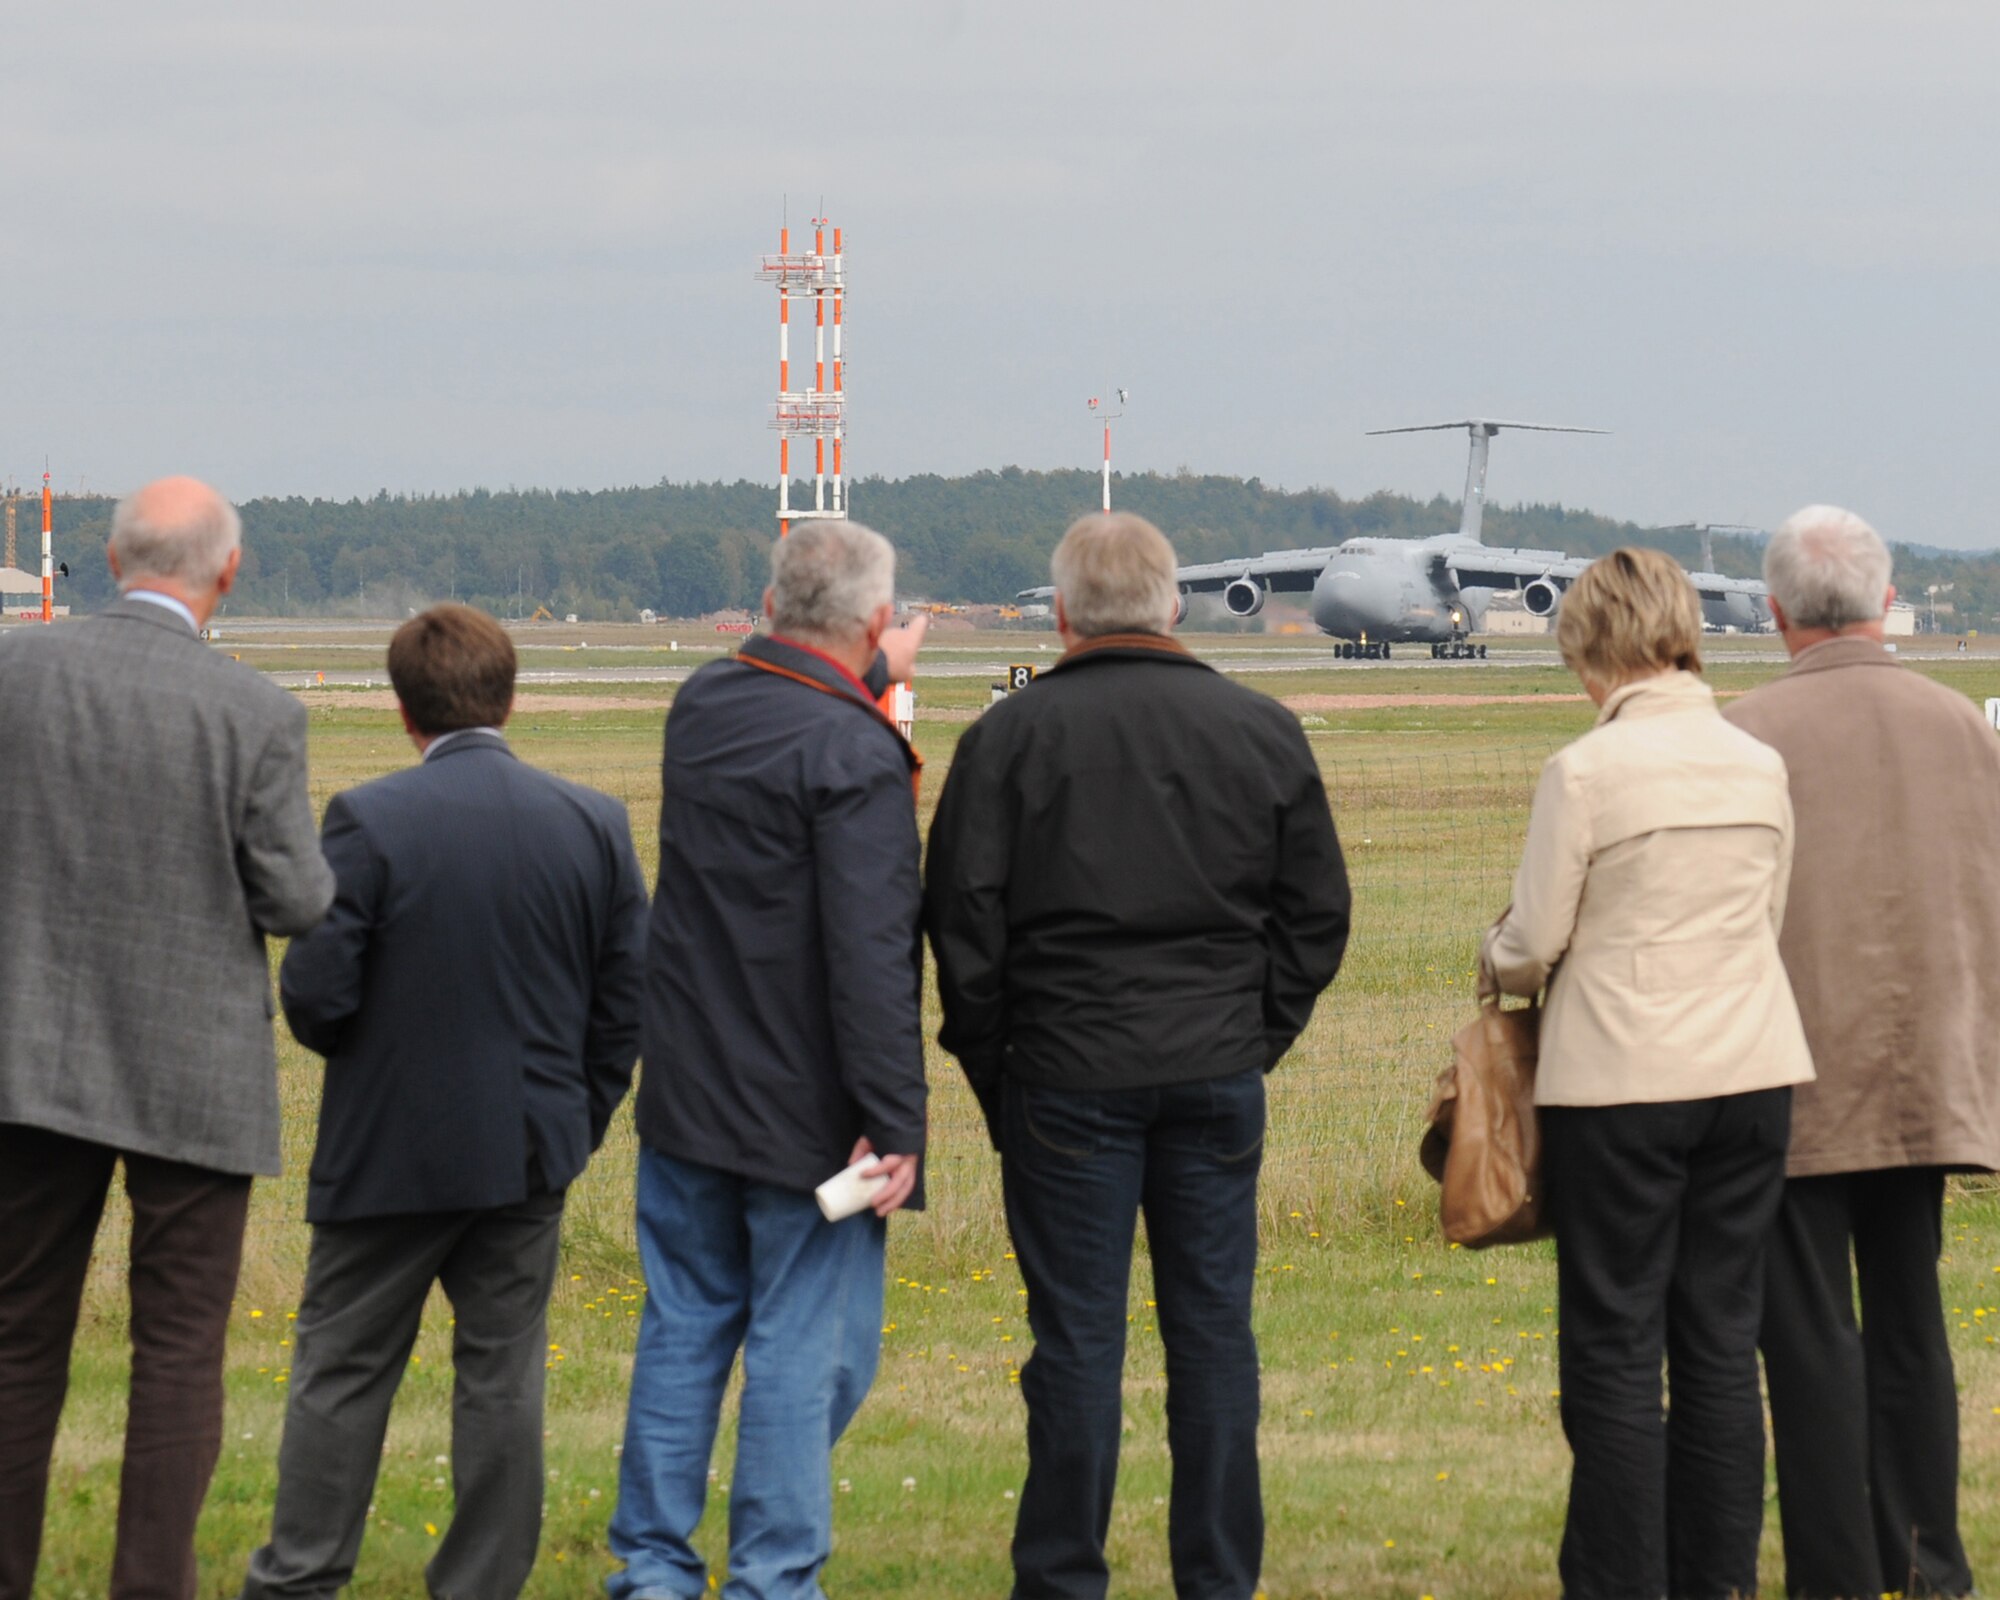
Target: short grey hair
(829,578)
(1116,573)
(175,529)
(1827,568)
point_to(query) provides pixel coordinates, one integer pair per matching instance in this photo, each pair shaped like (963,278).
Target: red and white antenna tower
(1102,408)
(48,550)
(816,413)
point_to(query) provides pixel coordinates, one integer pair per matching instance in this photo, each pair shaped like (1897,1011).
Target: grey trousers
(364,1298)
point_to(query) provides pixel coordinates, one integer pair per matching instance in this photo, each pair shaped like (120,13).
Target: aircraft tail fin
(1491,424)
(1481,431)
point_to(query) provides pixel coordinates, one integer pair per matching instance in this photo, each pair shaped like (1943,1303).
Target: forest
(688,549)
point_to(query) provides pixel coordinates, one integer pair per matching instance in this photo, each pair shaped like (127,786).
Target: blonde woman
(1648,902)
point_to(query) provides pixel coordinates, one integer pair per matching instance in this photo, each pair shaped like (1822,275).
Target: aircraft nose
(1339,603)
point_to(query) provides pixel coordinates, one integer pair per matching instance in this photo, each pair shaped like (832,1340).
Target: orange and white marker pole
(819,361)
(814,409)
(839,394)
(48,551)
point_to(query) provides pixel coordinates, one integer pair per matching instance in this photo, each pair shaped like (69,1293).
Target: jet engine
(1541,598)
(1244,597)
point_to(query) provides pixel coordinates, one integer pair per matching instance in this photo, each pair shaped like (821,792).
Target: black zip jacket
(784,962)
(1133,877)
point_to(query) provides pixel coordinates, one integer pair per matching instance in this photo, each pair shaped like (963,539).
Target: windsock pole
(48,551)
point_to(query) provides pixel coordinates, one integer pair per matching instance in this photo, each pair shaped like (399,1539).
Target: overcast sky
(431,246)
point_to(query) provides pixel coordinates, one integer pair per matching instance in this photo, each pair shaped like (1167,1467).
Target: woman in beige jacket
(1648,902)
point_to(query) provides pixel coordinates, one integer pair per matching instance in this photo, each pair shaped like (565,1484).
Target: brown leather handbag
(1484,1144)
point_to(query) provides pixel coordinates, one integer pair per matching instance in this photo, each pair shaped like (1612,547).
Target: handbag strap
(1489,982)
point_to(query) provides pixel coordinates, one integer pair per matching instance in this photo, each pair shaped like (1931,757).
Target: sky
(426,247)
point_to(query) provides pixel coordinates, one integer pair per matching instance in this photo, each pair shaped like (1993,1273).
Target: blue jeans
(731,1263)
(1078,1167)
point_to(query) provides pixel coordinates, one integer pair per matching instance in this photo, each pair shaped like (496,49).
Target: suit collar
(168,603)
(126,609)
(447,745)
(1831,653)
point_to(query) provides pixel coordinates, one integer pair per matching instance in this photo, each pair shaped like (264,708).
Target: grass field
(1411,1445)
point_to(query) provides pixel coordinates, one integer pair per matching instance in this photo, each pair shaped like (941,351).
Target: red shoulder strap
(909,750)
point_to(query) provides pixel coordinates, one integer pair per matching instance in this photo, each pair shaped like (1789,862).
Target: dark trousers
(1662,1213)
(187,1242)
(1078,1168)
(366,1283)
(1865,1418)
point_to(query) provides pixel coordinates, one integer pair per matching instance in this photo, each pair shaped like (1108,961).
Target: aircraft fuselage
(1393,590)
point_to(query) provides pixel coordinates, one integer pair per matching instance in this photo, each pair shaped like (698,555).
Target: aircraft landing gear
(1366,651)
(1458,650)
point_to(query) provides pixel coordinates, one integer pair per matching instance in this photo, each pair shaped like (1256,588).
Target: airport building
(22,592)
(1508,614)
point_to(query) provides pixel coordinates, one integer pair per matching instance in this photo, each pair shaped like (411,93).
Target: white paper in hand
(848,1192)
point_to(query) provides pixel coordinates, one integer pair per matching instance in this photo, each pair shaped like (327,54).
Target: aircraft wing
(1712,585)
(1484,567)
(1282,572)
(1488,568)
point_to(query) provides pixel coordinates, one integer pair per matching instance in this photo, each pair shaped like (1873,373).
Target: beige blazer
(1893,941)
(1653,887)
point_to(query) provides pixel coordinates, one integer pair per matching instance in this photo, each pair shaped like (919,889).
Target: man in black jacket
(1135,895)
(783,1043)
(475,990)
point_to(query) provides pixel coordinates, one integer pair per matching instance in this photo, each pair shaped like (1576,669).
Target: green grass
(1410,1439)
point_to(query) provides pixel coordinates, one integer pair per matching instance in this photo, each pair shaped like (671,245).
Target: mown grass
(1410,1441)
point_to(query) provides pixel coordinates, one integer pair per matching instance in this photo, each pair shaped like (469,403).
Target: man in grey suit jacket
(158,826)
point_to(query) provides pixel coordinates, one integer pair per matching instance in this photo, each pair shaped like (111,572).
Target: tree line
(686,549)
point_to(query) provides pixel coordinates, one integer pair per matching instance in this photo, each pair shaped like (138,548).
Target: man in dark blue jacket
(475,990)
(782,1043)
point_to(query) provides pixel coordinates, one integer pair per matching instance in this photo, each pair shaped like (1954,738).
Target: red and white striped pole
(48,552)
(784,387)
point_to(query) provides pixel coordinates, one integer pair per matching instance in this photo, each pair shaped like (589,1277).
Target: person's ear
(1778,613)
(111,561)
(1062,614)
(227,579)
(1888,599)
(878,624)
(769,610)
(507,713)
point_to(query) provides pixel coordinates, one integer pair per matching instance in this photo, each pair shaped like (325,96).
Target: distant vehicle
(1372,593)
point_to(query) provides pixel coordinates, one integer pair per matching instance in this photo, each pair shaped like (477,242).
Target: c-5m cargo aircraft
(1371,593)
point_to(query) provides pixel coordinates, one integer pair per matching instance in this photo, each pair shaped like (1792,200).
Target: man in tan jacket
(1889,940)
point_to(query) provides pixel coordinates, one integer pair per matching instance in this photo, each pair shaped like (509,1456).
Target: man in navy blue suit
(476,993)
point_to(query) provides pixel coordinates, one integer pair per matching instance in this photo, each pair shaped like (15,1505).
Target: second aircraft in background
(1376,592)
